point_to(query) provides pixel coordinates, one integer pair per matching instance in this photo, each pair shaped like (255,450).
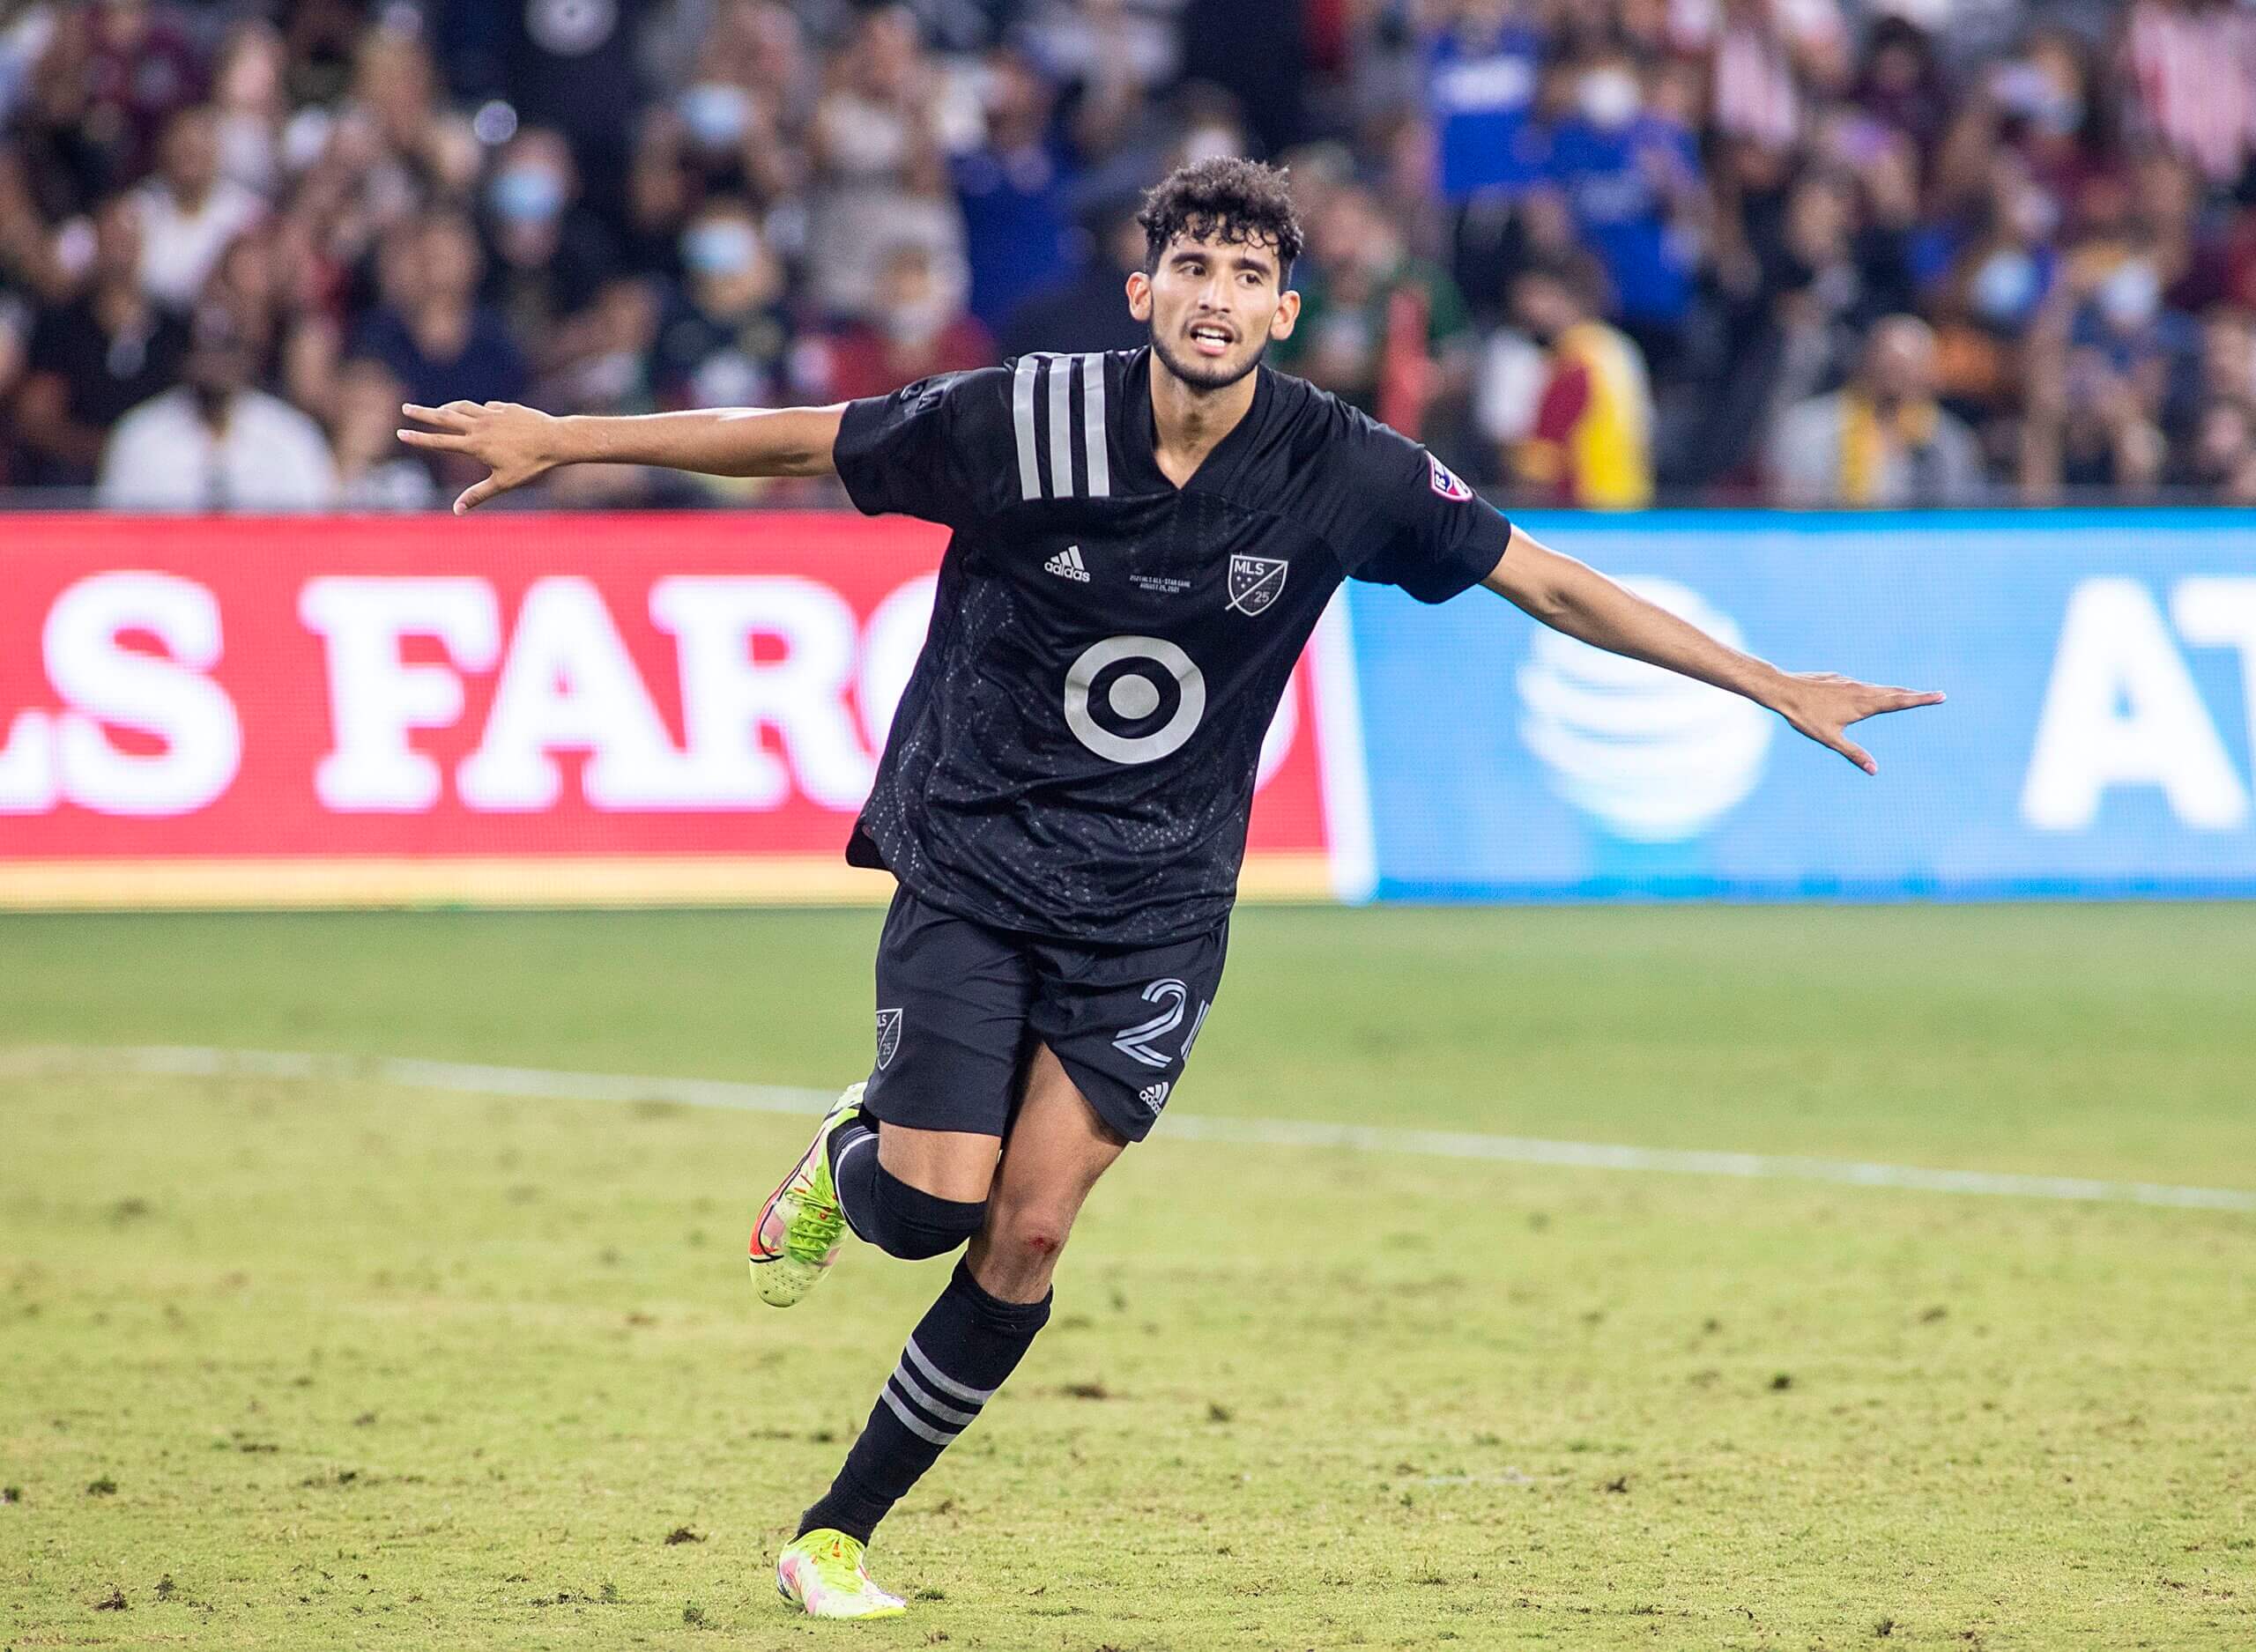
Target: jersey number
(1137,1041)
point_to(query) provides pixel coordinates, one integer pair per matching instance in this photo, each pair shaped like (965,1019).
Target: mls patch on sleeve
(1445,482)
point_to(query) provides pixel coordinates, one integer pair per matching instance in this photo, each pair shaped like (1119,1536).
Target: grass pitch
(290,1364)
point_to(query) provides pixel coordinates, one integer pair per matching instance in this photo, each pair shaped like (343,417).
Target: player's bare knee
(1034,1235)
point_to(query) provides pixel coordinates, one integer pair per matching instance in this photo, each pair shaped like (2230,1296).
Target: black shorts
(962,1006)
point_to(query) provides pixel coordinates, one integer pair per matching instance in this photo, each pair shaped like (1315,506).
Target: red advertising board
(512,709)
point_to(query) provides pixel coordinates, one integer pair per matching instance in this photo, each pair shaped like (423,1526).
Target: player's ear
(1289,312)
(1139,295)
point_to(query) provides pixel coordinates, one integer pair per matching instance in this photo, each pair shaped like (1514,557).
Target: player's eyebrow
(1249,259)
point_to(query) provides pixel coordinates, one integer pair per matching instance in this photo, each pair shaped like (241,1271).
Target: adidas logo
(1154,1096)
(1066,565)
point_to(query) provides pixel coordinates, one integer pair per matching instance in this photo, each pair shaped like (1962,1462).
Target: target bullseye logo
(1133,694)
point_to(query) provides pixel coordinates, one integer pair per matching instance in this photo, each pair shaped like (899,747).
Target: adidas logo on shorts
(1066,565)
(1154,1096)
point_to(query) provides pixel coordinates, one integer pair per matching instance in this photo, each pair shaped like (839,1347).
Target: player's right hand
(515,443)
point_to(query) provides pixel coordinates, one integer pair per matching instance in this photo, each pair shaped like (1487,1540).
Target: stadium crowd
(1820,252)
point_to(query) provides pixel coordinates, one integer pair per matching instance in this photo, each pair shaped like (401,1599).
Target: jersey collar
(1136,433)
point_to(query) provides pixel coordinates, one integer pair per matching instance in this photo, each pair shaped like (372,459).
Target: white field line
(545,1083)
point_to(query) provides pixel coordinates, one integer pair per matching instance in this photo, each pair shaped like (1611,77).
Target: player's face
(1214,308)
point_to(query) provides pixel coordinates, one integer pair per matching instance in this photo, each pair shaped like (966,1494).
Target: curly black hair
(1226,199)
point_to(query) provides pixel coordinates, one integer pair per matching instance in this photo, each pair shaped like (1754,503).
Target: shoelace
(801,1246)
(839,1565)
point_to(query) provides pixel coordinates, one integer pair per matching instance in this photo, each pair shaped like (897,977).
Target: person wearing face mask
(725,338)
(547,256)
(1996,288)
(215,443)
(919,329)
(1631,176)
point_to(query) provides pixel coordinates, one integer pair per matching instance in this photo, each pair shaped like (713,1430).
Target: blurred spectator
(1089,311)
(1013,190)
(919,327)
(1631,173)
(2220,449)
(1882,441)
(141,69)
(189,211)
(252,105)
(214,443)
(550,255)
(438,341)
(393,126)
(1587,440)
(1379,327)
(58,163)
(1900,81)
(2194,62)
(726,339)
(1483,62)
(880,174)
(376,470)
(101,355)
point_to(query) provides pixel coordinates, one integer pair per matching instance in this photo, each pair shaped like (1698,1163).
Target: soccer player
(1143,541)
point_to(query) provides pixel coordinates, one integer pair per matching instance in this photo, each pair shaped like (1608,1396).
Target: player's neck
(1191,422)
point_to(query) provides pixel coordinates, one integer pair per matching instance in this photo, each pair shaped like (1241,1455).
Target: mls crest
(888,1035)
(1445,482)
(1256,583)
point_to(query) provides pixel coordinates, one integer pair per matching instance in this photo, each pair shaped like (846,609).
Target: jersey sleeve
(1427,531)
(933,449)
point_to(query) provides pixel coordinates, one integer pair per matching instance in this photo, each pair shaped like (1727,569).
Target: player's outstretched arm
(518,444)
(1570,596)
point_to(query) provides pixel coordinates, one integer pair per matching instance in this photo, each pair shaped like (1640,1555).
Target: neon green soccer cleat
(800,1227)
(821,1573)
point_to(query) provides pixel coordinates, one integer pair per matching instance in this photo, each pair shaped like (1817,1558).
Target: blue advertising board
(2101,667)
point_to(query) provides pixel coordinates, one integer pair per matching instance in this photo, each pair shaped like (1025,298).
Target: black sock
(900,1220)
(857,1185)
(960,1352)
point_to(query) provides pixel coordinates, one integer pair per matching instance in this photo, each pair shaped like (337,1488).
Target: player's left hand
(1821,704)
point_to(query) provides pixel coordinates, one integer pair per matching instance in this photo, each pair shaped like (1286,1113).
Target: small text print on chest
(1160,584)
(1256,583)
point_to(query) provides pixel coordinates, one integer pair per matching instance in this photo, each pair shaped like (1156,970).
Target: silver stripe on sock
(942,1381)
(923,1395)
(1022,417)
(911,1421)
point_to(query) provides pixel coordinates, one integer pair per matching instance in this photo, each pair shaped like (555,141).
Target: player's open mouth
(1210,340)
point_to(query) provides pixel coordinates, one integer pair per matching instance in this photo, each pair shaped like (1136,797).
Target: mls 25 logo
(888,1035)
(1256,583)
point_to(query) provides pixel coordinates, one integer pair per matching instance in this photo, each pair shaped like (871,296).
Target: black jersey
(1074,755)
